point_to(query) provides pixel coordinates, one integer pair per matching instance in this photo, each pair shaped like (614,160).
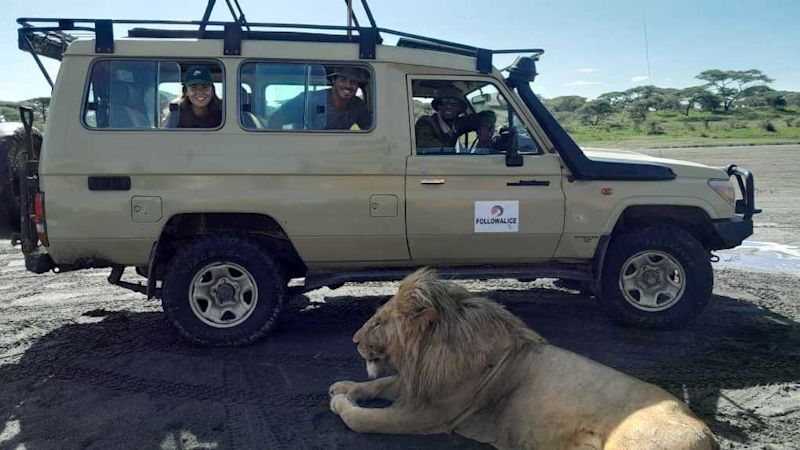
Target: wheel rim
(223,294)
(652,281)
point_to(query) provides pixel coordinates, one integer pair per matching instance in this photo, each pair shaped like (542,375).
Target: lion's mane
(464,337)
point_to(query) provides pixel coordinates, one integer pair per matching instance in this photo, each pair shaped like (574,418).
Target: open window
(304,97)
(149,94)
(465,117)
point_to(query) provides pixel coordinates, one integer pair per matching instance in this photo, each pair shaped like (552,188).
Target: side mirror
(508,141)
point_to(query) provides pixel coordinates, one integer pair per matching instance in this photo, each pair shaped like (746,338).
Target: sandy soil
(87,365)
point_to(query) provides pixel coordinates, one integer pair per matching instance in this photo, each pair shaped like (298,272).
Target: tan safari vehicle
(300,178)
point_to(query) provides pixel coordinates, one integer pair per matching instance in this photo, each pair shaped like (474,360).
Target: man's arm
(289,112)
(426,134)
(364,119)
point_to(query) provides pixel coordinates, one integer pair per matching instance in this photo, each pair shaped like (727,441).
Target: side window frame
(501,88)
(88,82)
(371,95)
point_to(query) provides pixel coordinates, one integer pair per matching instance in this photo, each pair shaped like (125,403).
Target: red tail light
(38,218)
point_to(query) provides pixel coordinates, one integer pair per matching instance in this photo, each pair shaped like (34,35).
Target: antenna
(647,50)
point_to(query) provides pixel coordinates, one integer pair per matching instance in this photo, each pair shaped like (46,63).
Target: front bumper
(731,232)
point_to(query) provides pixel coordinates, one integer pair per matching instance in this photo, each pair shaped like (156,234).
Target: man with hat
(335,108)
(443,128)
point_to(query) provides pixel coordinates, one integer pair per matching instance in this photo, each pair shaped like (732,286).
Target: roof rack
(49,37)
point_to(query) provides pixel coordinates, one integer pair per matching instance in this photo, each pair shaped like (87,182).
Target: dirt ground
(84,364)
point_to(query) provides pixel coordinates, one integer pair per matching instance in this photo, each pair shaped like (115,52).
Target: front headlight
(724,188)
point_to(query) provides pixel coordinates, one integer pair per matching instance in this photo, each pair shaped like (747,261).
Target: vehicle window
(151,94)
(297,96)
(465,117)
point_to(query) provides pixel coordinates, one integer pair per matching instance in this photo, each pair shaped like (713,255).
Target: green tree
(595,111)
(732,84)
(616,99)
(690,96)
(40,105)
(792,98)
(709,101)
(637,112)
(566,103)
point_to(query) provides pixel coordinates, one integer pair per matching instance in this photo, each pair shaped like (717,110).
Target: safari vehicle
(220,219)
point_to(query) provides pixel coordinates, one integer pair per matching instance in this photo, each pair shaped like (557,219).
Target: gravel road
(84,364)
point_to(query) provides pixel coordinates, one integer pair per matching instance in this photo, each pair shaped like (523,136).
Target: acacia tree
(595,110)
(637,112)
(732,84)
(616,99)
(709,101)
(40,105)
(566,103)
(690,96)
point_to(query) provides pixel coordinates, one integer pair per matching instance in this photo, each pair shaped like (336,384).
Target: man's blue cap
(197,75)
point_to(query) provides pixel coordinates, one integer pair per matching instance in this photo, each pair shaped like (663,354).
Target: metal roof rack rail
(49,36)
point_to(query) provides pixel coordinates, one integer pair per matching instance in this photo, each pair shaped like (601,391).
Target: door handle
(431,181)
(528,183)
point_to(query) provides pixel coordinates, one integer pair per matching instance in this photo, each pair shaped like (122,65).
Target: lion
(465,364)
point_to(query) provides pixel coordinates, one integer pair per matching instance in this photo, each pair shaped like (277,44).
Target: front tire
(656,277)
(223,290)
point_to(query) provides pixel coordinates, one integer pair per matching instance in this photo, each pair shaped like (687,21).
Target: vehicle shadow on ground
(126,380)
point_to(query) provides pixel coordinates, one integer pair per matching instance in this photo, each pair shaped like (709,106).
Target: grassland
(745,126)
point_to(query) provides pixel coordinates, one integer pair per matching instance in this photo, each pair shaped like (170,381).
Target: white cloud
(588,70)
(640,78)
(582,83)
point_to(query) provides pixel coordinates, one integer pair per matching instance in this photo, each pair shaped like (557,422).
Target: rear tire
(656,277)
(15,152)
(223,290)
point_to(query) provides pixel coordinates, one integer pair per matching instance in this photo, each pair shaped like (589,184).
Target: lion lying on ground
(465,364)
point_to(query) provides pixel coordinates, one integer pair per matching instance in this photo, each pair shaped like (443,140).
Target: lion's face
(374,337)
(394,332)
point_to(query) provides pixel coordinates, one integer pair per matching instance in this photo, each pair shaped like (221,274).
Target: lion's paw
(339,402)
(341,387)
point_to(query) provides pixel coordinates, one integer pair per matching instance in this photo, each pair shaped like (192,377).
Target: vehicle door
(464,202)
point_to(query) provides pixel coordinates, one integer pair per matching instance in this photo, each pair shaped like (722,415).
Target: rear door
(464,204)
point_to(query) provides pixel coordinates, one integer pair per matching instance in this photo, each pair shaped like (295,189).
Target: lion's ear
(423,317)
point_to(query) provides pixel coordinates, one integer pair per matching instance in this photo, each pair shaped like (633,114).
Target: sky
(591,47)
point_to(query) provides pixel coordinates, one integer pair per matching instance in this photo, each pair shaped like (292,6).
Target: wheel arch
(692,218)
(181,228)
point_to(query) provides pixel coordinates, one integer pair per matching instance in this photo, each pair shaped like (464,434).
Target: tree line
(723,90)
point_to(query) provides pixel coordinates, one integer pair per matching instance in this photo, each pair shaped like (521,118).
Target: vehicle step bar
(334,279)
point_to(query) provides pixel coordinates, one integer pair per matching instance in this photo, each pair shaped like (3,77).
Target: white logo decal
(500,216)
(197,72)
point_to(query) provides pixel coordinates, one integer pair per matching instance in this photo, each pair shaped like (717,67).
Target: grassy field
(746,126)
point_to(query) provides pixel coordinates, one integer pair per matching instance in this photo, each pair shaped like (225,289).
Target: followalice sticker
(497,217)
